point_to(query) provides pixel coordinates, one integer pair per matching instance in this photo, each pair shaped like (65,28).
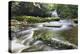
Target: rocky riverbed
(48,36)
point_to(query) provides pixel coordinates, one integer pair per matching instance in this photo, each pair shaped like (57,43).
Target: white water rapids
(24,41)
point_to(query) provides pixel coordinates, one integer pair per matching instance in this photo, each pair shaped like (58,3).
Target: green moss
(32,19)
(43,34)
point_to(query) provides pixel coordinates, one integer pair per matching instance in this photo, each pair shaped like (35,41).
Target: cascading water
(26,41)
(54,13)
(60,39)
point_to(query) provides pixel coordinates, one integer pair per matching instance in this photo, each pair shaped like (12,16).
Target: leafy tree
(42,9)
(67,11)
(30,8)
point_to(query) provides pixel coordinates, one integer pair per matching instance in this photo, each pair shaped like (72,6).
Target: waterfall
(54,13)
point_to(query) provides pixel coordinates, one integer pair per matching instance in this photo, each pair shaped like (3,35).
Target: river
(48,36)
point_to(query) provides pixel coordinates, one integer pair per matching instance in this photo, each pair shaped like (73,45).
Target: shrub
(32,19)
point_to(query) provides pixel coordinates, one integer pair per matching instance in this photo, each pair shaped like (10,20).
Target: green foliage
(31,8)
(32,19)
(67,11)
(29,19)
(43,34)
(42,9)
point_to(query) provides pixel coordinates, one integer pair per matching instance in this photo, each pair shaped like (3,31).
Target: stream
(48,36)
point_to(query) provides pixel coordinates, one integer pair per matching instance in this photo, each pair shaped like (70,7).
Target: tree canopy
(43,9)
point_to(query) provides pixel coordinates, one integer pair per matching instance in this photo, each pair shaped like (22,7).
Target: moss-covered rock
(43,34)
(32,19)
